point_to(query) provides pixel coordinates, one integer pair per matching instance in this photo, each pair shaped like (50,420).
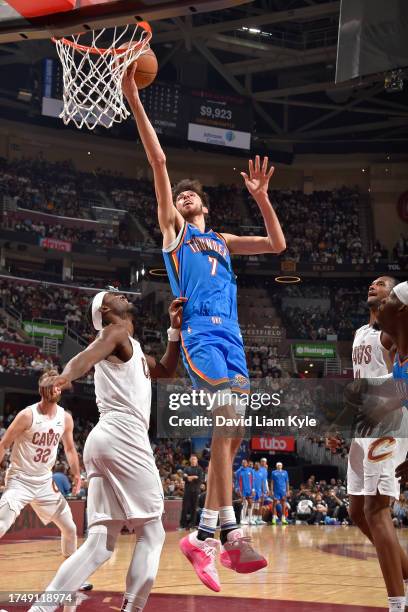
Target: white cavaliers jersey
(368,353)
(35,451)
(125,387)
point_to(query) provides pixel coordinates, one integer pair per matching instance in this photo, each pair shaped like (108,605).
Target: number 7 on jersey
(214,262)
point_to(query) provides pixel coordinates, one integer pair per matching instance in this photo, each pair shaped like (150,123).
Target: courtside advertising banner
(44,330)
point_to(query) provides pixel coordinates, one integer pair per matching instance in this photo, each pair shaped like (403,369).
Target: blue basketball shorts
(258,495)
(213,354)
(279,493)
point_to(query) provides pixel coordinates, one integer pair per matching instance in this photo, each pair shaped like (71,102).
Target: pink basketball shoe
(237,554)
(202,555)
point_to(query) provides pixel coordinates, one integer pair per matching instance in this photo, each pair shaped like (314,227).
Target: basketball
(147,68)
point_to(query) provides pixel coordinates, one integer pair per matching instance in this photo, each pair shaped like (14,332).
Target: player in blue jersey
(279,491)
(265,472)
(260,492)
(244,485)
(198,262)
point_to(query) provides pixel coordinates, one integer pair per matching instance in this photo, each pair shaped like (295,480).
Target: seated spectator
(61,479)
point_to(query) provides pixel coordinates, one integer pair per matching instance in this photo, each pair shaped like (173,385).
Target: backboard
(37,19)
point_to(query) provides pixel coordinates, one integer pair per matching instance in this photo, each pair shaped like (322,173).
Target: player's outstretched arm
(257,183)
(167,366)
(107,342)
(170,220)
(22,421)
(71,453)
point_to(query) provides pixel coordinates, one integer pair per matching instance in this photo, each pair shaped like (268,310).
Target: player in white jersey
(34,435)
(124,483)
(372,461)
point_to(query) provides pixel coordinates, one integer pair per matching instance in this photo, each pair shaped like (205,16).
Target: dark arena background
(318,86)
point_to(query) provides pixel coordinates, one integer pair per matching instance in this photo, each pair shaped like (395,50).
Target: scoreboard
(164,103)
(220,119)
(175,111)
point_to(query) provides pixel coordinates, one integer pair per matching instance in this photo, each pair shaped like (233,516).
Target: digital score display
(222,111)
(164,104)
(175,111)
(220,119)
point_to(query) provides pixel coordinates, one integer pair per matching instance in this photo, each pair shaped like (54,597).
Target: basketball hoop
(92,74)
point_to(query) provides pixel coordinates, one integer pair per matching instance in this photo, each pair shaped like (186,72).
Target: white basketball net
(93,76)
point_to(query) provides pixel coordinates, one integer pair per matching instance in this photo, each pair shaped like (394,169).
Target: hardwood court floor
(313,569)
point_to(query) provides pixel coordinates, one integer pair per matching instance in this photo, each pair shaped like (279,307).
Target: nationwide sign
(43,330)
(317,351)
(278,444)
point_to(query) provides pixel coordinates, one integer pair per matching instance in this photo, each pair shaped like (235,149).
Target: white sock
(406,591)
(94,552)
(128,604)
(227,518)
(250,513)
(396,604)
(208,520)
(244,510)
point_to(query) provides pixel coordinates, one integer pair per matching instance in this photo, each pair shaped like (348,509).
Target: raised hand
(51,387)
(129,87)
(176,312)
(257,182)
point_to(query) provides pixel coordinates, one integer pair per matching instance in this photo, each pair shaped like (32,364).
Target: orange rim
(99,51)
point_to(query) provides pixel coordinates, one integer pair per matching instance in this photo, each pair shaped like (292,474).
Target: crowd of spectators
(59,189)
(323,227)
(53,188)
(40,301)
(8,333)
(265,363)
(13,361)
(107,237)
(345,310)
(400,251)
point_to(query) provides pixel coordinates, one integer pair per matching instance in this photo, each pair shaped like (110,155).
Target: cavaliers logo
(240,381)
(381,449)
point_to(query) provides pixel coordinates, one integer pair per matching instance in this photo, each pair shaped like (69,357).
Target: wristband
(173,335)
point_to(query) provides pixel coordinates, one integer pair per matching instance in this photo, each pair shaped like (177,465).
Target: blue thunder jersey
(199,268)
(264,472)
(244,480)
(280,479)
(259,482)
(400,373)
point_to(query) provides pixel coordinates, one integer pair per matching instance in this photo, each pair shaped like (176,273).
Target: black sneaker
(86,586)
